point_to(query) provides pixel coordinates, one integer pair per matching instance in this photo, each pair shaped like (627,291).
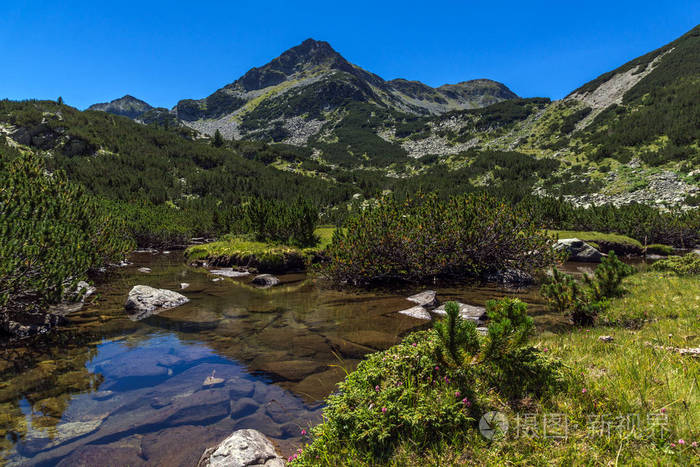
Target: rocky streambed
(163,388)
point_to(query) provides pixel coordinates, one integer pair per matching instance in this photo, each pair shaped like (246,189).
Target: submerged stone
(35,442)
(229,272)
(265,280)
(104,456)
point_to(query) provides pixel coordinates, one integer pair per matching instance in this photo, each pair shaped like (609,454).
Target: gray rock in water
(579,250)
(243,448)
(83,290)
(425,299)
(510,276)
(73,300)
(144,270)
(184,285)
(143,301)
(265,280)
(417,312)
(472,312)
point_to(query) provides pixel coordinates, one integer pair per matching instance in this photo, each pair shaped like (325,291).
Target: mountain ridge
(629,135)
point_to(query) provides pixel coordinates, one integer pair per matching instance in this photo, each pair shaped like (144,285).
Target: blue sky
(87,51)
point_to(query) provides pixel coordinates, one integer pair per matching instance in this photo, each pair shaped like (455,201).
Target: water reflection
(110,388)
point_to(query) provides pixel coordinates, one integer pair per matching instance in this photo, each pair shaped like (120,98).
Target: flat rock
(200,408)
(579,250)
(103,395)
(426,299)
(261,422)
(472,312)
(243,407)
(348,349)
(292,370)
(417,312)
(229,272)
(375,339)
(265,280)
(243,448)
(65,433)
(176,447)
(104,456)
(240,388)
(143,301)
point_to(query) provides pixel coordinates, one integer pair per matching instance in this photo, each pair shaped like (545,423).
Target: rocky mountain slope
(292,96)
(629,135)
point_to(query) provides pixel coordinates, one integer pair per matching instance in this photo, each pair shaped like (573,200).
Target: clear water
(111,391)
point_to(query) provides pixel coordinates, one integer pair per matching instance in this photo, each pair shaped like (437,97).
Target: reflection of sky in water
(156,383)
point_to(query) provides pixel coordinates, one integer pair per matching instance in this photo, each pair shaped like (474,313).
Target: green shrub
(458,337)
(279,222)
(688,264)
(659,249)
(606,281)
(424,237)
(407,393)
(559,291)
(584,302)
(51,234)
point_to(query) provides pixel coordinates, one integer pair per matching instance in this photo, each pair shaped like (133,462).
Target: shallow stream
(131,393)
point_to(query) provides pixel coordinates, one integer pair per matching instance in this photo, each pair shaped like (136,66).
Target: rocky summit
(127,106)
(297,92)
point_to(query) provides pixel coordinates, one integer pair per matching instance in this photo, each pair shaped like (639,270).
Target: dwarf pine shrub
(606,281)
(458,337)
(584,301)
(425,237)
(51,234)
(688,264)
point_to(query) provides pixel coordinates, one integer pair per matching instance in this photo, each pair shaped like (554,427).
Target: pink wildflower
(663,409)
(694,444)
(303,432)
(584,391)
(414,344)
(376,388)
(457,394)
(681,441)
(383,409)
(673,445)
(437,368)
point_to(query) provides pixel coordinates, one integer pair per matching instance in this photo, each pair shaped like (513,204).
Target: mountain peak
(309,54)
(127,106)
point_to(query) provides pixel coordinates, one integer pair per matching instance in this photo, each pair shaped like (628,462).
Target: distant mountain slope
(631,134)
